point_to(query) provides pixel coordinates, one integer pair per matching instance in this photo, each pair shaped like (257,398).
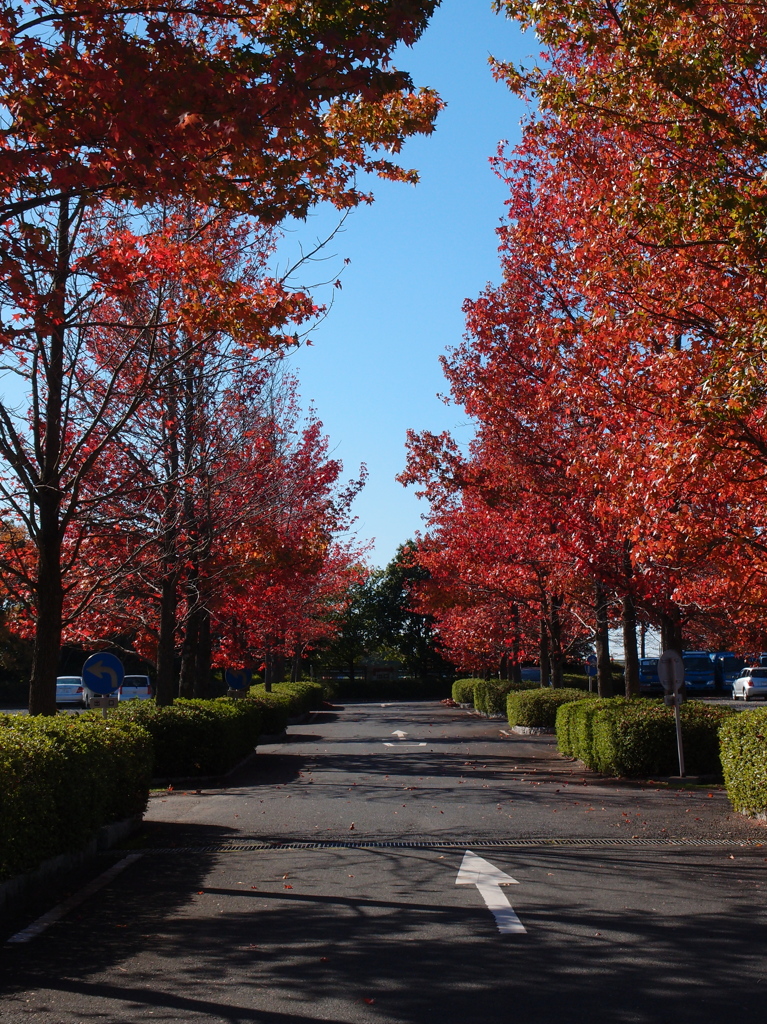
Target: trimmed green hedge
(463,690)
(61,779)
(743,752)
(196,737)
(304,696)
(286,700)
(275,709)
(490,695)
(537,709)
(637,737)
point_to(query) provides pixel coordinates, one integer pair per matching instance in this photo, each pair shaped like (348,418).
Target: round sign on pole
(671,671)
(103,673)
(591,665)
(238,678)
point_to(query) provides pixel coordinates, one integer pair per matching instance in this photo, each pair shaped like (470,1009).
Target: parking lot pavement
(260,903)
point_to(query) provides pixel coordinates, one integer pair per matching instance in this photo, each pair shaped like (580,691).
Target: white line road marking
(39,926)
(401,744)
(488,879)
(399,734)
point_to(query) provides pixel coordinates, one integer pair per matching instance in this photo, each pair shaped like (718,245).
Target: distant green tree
(401,632)
(357,630)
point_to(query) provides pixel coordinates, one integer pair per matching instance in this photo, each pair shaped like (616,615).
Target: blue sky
(373,368)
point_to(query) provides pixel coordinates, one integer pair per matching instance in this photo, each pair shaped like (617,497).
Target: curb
(15,889)
(533,730)
(201,780)
(301,719)
(271,737)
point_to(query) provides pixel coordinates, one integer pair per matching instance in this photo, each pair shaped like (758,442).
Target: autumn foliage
(616,373)
(146,154)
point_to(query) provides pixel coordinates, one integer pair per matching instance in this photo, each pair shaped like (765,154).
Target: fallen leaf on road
(351,826)
(368,1001)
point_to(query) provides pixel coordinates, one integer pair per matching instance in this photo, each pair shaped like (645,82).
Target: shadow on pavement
(238,956)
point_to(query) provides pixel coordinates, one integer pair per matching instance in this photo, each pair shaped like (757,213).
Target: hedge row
(63,778)
(637,737)
(490,695)
(537,709)
(463,690)
(284,701)
(196,737)
(743,751)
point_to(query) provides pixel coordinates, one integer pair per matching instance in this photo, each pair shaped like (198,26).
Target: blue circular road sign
(103,673)
(238,678)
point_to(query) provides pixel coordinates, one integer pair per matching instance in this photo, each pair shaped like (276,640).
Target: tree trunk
(49,601)
(268,671)
(602,642)
(555,635)
(49,596)
(671,631)
(204,655)
(188,670)
(295,665)
(630,652)
(544,653)
(516,671)
(166,644)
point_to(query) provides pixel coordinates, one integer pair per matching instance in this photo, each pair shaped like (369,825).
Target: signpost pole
(679,747)
(671,674)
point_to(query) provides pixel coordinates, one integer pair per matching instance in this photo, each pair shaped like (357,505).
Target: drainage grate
(479,844)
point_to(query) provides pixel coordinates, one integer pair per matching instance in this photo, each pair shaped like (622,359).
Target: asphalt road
(640,903)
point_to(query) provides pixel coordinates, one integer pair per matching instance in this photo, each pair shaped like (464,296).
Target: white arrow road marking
(400,737)
(488,879)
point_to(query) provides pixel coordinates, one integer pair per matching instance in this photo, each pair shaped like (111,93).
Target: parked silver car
(69,690)
(752,682)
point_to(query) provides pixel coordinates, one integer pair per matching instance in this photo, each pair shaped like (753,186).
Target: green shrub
(304,696)
(197,737)
(573,725)
(295,698)
(538,708)
(637,737)
(743,752)
(275,709)
(490,695)
(463,690)
(63,778)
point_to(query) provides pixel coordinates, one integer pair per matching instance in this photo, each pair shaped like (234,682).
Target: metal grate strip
(487,844)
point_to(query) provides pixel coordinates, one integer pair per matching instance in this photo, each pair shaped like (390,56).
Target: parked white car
(135,688)
(752,682)
(69,690)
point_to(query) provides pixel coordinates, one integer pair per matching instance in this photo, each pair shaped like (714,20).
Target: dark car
(699,672)
(728,667)
(649,683)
